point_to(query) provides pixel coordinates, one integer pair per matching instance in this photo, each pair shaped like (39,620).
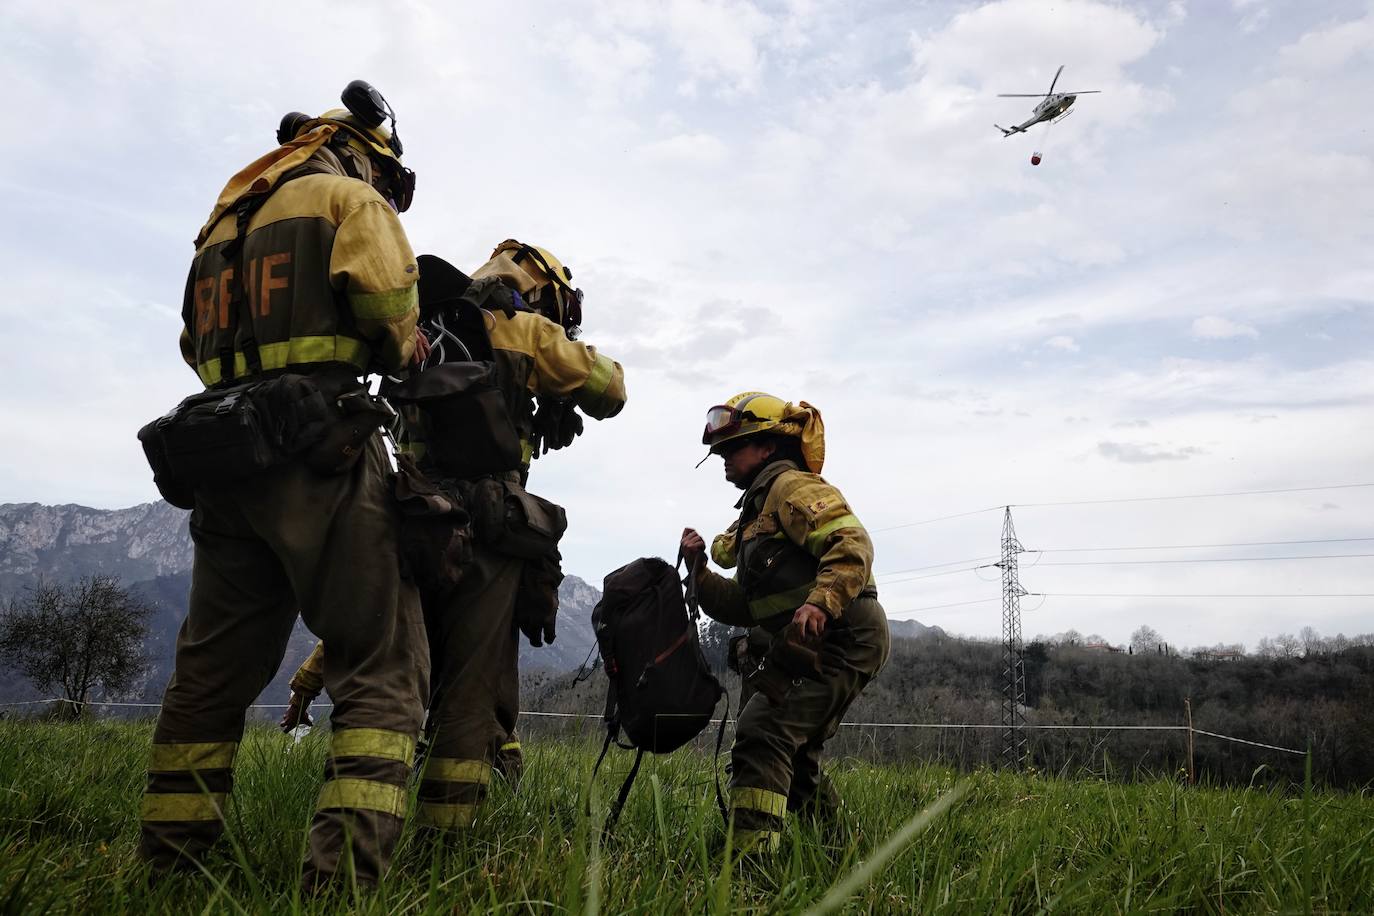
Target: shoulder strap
(624,794)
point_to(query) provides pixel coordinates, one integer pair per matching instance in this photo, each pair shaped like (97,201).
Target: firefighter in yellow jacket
(803,574)
(302,268)
(534,316)
(534,321)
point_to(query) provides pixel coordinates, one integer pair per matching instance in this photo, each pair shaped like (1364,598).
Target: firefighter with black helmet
(303,281)
(803,576)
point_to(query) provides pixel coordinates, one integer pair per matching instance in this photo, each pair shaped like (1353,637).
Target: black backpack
(661,692)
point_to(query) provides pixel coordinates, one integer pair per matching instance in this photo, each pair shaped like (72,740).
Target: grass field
(1006,843)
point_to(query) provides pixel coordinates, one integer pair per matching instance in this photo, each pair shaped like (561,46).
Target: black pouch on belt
(511,520)
(436,530)
(209,439)
(359,416)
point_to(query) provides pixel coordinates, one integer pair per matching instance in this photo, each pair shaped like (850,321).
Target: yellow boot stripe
(747,841)
(362,794)
(511,746)
(432,814)
(183,806)
(373,742)
(176,758)
(759,800)
(450,769)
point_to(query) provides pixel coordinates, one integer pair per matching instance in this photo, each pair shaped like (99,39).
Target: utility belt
(443,516)
(222,436)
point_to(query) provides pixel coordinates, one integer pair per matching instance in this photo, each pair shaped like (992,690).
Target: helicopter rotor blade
(1082,92)
(1055,80)
(1020,95)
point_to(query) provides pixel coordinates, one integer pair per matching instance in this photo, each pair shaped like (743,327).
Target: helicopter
(1053,106)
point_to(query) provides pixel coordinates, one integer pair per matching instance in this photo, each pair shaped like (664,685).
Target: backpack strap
(624,794)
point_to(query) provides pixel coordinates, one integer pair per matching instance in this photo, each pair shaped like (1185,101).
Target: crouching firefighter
(803,583)
(303,281)
(504,340)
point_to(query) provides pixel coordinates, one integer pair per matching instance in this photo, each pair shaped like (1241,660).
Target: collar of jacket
(759,488)
(265,173)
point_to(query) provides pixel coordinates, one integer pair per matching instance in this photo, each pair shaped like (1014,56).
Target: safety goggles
(400,187)
(726,421)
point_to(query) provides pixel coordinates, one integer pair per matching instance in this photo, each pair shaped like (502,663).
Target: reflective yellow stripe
(373,742)
(589,396)
(758,800)
(183,806)
(750,841)
(387,304)
(436,815)
(815,541)
(511,746)
(450,769)
(362,794)
(526,451)
(297,350)
(790,600)
(178,758)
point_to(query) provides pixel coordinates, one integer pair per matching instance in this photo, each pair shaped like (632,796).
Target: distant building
(1218,655)
(1102,647)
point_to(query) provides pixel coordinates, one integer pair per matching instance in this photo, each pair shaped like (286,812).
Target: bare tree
(1146,639)
(78,638)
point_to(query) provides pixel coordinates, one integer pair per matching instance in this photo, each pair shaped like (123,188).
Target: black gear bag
(661,692)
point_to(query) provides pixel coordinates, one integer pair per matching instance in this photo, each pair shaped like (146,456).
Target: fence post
(1188,711)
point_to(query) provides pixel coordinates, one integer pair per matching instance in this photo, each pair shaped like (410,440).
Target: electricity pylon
(1015,747)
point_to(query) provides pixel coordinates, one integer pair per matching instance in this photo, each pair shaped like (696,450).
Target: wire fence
(952,726)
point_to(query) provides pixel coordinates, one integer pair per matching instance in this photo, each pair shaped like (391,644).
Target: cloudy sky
(808,198)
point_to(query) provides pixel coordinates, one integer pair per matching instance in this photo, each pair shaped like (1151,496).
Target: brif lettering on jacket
(267,275)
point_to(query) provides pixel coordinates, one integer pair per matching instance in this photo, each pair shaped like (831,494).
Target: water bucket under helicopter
(1035,158)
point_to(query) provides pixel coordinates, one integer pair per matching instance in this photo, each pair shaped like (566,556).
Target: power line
(1190,546)
(896,572)
(1143,499)
(948,572)
(1124,595)
(1328,556)
(931,521)
(939,607)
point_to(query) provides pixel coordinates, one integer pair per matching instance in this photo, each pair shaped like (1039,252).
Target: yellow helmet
(746,414)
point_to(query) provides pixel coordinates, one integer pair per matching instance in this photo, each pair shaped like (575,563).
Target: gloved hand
(536,600)
(556,424)
(297,712)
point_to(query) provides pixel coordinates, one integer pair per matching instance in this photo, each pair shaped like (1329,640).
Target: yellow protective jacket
(797,542)
(330,274)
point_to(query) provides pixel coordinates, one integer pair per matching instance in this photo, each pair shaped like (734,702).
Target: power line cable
(1143,499)
(1195,546)
(931,521)
(938,607)
(1328,556)
(897,572)
(1126,595)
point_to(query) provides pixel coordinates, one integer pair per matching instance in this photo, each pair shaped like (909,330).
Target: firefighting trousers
(285,540)
(476,697)
(776,758)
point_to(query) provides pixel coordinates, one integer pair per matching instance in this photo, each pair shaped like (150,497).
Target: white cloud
(1062,342)
(1214,327)
(687,149)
